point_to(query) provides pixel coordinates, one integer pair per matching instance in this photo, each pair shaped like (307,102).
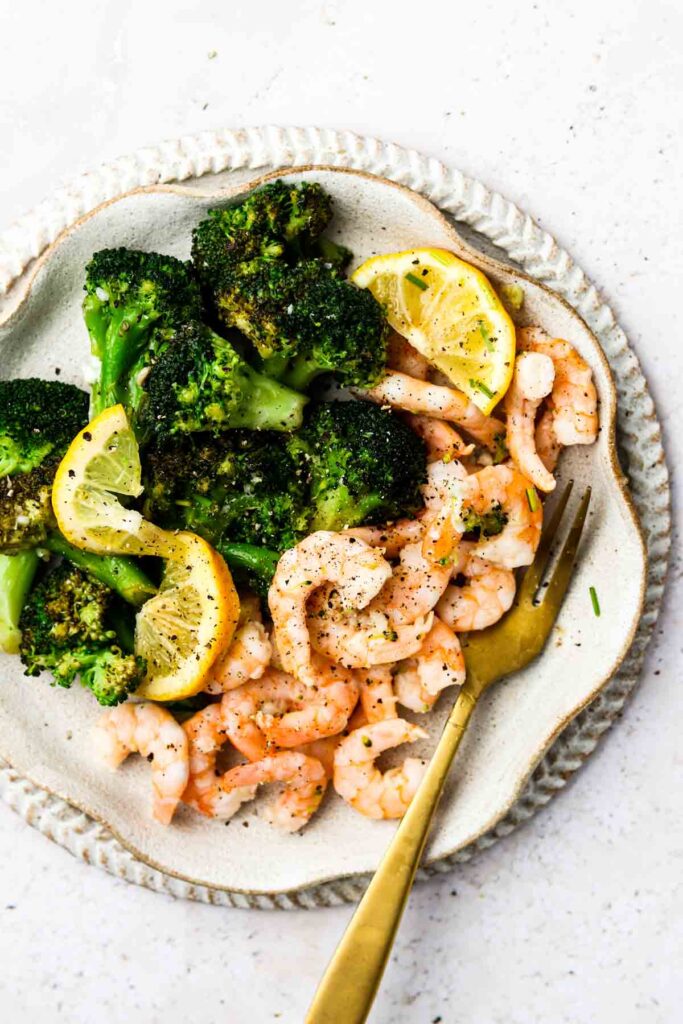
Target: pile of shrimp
(366,622)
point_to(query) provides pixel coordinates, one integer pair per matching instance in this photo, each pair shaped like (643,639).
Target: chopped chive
(485,335)
(594,601)
(532,498)
(479,386)
(417,281)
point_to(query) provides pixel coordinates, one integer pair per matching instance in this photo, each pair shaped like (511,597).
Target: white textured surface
(547,889)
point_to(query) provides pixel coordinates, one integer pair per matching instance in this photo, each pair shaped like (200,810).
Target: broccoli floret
(487,524)
(38,420)
(276,220)
(135,301)
(64,630)
(306,320)
(243,486)
(199,382)
(268,272)
(366,465)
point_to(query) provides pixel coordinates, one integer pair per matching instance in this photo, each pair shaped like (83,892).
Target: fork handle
(349,985)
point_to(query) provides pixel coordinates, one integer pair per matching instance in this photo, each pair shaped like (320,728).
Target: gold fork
(349,985)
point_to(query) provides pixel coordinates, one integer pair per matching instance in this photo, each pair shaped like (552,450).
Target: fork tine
(534,574)
(562,574)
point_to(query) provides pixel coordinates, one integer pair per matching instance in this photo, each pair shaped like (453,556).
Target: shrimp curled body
(439,663)
(152,731)
(483,598)
(206,735)
(305,784)
(357,571)
(363,786)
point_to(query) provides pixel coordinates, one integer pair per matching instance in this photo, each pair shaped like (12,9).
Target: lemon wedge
(182,629)
(449,312)
(101,466)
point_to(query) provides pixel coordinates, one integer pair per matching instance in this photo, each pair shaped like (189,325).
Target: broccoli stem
(125,337)
(16,576)
(301,373)
(120,573)
(251,559)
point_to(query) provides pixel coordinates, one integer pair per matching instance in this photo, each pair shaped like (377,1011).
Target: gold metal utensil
(349,985)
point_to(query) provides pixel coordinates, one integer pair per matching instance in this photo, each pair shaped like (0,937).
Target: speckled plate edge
(537,253)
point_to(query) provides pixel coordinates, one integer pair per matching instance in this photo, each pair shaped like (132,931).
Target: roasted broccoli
(199,382)
(365,465)
(135,301)
(38,420)
(269,273)
(243,486)
(305,320)
(278,220)
(64,630)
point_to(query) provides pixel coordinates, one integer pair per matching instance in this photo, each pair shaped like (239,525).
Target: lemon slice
(449,312)
(101,466)
(182,629)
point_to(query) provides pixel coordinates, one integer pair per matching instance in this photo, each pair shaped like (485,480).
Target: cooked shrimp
(403,392)
(547,445)
(391,537)
(417,582)
(377,696)
(362,785)
(206,735)
(573,400)
(403,357)
(443,441)
(249,652)
(532,381)
(439,663)
(357,570)
(152,731)
(486,594)
(305,781)
(360,638)
(501,492)
(278,710)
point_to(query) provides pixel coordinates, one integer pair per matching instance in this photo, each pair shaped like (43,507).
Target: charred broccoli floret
(268,272)
(135,301)
(366,465)
(244,487)
(199,382)
(306,320)
(38,420)
(275,221)
(64,630)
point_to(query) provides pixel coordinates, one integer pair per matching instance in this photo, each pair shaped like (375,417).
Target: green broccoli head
(199,382)
(276,220)
(366,465)
(307,319)
(64,630)
(38,420)
(134,302)
(243,487)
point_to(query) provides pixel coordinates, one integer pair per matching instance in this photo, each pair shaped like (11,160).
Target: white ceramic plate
(45,732)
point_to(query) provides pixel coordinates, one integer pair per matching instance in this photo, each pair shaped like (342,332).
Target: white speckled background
(572,113)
